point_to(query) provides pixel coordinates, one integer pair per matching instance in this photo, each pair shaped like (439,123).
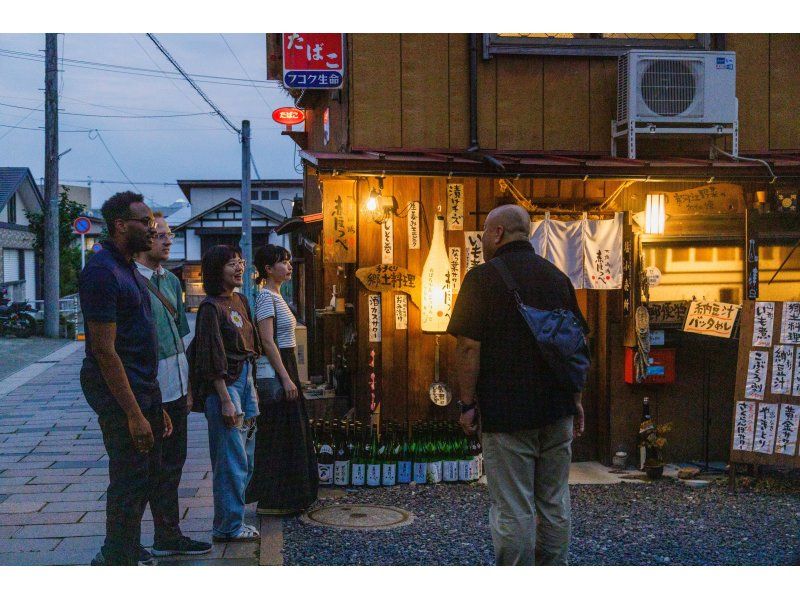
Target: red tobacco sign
(288,116)
(313,60)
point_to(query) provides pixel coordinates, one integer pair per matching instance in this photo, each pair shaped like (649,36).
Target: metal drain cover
(358,517)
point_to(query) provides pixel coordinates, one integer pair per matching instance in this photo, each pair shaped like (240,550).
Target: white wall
(22,219)
(30,275)
(206,198)
(177,251)
(192,246)
(4,214)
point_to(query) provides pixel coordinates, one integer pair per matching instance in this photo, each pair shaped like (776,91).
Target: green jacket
(170,334)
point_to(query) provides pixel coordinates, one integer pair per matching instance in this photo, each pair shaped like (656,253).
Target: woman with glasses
(222,357)
(285,479)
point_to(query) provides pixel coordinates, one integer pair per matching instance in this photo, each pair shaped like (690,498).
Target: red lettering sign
(288,116)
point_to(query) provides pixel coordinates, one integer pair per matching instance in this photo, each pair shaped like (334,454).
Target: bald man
(527,422)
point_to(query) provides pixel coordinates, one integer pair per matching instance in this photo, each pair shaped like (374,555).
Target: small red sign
(288,116)
(313,60)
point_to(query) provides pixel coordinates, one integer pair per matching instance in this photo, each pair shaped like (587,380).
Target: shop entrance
(585,448)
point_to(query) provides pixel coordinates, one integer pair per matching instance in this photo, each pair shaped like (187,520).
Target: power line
(103,182)
(110,115)
(127,178)
(194,85)
(22,120)
(244,70)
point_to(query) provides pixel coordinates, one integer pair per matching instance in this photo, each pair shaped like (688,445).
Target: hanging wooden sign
(454,255)
(387,277)
(473,248)
(387,241)
(716,198)
(668,314)
(413,225)
(766,414)
(711,318)
(401,312)
(455,206)
(339,211)
(374,306)
(790,323)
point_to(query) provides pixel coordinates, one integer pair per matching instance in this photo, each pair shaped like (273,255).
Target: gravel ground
(662,523)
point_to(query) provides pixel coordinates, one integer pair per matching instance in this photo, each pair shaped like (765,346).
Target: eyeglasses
(236,263)
(146,220)
(165,236)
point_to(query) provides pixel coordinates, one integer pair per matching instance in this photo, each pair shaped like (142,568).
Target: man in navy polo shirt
(118,376)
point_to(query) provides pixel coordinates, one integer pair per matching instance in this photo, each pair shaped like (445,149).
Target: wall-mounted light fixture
(381,206)
(655,214)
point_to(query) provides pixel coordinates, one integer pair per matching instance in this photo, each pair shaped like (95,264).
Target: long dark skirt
(285,477)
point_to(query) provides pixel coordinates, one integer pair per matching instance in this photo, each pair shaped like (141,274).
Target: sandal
(247,533)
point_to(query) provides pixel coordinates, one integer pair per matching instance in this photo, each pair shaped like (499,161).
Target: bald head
(503,225)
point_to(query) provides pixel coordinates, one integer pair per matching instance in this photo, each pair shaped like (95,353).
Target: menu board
(766,410)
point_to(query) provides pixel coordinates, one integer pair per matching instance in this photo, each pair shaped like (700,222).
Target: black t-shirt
(515,388)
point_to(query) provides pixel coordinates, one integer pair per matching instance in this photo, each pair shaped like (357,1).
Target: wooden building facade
(541,121)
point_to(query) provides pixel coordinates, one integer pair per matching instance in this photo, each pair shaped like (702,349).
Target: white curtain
(589,252)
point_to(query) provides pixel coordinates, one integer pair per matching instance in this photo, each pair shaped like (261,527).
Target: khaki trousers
(528,476)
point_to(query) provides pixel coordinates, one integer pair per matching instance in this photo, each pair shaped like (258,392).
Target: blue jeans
(232,453)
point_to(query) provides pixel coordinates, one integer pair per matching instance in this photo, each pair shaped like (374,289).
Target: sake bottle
(389,462)
(434,459)
(450,458)
(419,457)
(373,461)
(341,464)
(359,466)
(404,463)
(325,459)
(464,461)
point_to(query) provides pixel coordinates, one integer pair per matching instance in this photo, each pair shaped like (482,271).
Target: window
(271,195)
(786,285)
(12,209)
(254,196)
(592,44)
(21,261)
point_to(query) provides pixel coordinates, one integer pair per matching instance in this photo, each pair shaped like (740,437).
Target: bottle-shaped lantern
(437,288)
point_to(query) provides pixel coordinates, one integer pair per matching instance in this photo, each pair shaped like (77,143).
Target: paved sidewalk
(18,353)
(54,474)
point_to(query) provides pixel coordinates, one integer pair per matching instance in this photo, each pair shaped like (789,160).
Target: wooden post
(51,243)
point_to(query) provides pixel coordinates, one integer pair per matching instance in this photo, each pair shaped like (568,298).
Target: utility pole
(247,226)
(51,217)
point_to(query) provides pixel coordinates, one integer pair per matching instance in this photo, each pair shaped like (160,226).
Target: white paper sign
(744,426)
(401,312)
(796,383)
(454,255)
(455,206)
(413,225)
(763,319)
(602,253)
(374,306)
(756,375)
(473,248)
(782,362)
(387,241)
(711,318)
(786,441)
(790,323)
(766,424)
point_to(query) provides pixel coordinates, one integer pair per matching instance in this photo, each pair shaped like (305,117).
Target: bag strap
(161,297)
(507,277)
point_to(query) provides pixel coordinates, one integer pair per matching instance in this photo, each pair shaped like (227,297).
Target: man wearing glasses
(166,302)
(119,371)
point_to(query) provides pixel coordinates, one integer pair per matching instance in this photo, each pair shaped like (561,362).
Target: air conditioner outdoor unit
(675,92)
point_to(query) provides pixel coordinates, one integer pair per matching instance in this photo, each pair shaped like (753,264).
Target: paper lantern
(437,289)
(655,214)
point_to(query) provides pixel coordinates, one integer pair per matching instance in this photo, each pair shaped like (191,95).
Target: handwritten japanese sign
(473,248)
(711,318)
(374,307)
(372,377)
(413,225)
(454,256)
(744,426)
(400,312)
(387,241)
(782,362)
(720,197)
(386,277)
(762,323)
(313,60)
(796,383)
(787,430)
(339,222)
(455,206)
(766,424)
(627,283)
(756,375)
(668,314)
(790,323)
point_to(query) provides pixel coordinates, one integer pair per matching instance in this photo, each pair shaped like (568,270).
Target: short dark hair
(268,255)
(212,266)
(118,206)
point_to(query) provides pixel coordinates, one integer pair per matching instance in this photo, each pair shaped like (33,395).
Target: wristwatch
(466,406)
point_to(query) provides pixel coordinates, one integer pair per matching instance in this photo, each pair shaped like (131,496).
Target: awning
(298,222)
(507,164)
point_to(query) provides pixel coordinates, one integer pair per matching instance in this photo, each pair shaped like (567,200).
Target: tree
(69,254)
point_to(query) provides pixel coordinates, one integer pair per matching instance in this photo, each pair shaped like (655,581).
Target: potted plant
(654,437)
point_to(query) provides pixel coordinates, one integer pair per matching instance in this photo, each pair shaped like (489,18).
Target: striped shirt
(267,303)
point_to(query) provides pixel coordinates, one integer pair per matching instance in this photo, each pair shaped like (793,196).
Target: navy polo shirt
(111,290)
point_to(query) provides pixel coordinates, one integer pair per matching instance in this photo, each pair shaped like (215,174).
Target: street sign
(97,247)
(313,60)
(288,116)
(81,225)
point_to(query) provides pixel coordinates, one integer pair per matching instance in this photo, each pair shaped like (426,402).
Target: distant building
(19,272)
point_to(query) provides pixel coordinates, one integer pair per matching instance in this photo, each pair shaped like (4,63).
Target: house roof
(187,185)
(10,180)
(263,212)
(498,163)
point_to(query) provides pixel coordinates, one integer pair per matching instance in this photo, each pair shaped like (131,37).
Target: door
(585,447)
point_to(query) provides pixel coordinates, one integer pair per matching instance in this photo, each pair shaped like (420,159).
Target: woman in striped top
(285,472)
